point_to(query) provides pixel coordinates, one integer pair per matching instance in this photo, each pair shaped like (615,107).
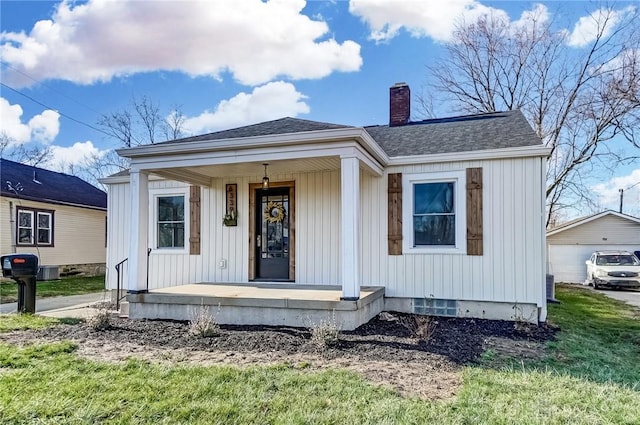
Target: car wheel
(595,283)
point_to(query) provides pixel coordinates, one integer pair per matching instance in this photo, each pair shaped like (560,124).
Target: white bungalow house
(442,216)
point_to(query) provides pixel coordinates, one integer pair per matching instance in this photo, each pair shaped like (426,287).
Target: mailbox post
(22,268)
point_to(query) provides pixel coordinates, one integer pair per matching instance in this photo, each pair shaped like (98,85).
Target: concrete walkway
(76,306)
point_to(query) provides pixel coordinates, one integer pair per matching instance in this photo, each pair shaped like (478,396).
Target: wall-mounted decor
(231,214)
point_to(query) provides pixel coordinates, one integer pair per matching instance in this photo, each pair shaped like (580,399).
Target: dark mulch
(385,338)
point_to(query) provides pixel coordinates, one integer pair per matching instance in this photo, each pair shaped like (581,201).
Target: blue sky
(231,63)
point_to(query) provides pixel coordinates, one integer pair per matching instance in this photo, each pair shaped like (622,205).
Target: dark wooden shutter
(474,211)
(395,213)
(194,220)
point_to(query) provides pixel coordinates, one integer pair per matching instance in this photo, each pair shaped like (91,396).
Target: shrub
(326,333)
(101,320)
(420,327)
(203,323)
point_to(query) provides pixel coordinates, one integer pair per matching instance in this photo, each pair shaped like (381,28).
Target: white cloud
(271,101)
(43,127)
(538,16)
(608,193)
(75,155)
(586,29)
(255,41)
(434,19)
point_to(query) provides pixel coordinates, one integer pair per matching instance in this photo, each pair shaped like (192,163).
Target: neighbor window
(170,219)
(434,212)
(34,227)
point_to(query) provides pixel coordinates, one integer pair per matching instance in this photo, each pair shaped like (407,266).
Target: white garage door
(566,262)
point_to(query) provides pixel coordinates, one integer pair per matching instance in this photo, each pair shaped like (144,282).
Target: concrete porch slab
(273,304)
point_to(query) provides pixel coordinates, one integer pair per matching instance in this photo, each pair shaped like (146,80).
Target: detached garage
(572,243)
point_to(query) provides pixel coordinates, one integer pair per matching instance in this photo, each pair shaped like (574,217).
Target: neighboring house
(446,214)
(571,244)
(60,218)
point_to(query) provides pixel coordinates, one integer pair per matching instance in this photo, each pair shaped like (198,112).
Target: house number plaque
(230,217)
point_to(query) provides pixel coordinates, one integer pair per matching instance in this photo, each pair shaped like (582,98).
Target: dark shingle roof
(279,126)
(458,134)
(497,130)
(37,184)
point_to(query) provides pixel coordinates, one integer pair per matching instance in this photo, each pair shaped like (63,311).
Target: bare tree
(141,123)
(32,155)
(174,123)
(577,98)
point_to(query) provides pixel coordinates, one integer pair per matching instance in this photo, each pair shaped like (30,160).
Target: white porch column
(350,178)
(139,232)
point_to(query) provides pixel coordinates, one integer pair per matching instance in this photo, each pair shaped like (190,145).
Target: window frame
(35,215)
(154,195)
(38,228)
(458,178)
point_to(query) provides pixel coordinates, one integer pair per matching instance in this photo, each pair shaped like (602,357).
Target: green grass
(65,286)
(590,376)
(602,338)
(10,322)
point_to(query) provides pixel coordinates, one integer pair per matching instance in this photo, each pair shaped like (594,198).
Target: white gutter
(487,154)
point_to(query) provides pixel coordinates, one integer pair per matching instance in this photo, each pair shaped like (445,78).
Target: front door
(273,233)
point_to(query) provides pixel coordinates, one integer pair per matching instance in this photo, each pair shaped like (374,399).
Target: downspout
(542,317)
(12,227)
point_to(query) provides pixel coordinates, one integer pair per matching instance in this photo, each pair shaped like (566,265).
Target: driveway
(628,296)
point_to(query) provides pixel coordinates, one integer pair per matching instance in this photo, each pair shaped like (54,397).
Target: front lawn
(590,375)
(66,286)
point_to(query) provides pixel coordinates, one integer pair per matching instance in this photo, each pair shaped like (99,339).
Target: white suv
(615,269)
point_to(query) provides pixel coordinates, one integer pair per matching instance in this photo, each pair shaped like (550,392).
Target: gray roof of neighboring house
(37,184)
(456,134)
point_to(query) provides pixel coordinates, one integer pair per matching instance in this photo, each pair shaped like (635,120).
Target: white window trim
(32,227)
(154,194)
(37,230)
(460,207)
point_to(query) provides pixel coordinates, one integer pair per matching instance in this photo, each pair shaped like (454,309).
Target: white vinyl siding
(512,268)
(608,229)
(317,219)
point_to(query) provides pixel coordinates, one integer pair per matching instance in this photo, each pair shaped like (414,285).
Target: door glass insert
(273,221)
(275,226)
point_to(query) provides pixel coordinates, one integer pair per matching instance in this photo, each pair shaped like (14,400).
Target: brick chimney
(399,104)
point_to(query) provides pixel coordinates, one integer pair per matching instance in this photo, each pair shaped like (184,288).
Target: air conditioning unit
(48,273)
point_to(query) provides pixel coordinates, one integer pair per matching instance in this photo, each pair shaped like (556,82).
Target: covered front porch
(272,304)
(290,254)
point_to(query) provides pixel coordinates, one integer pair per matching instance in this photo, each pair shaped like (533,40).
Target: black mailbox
(22,268)
(19,266)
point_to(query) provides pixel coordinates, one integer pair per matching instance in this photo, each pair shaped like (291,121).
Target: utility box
(48,273)
(22,268)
